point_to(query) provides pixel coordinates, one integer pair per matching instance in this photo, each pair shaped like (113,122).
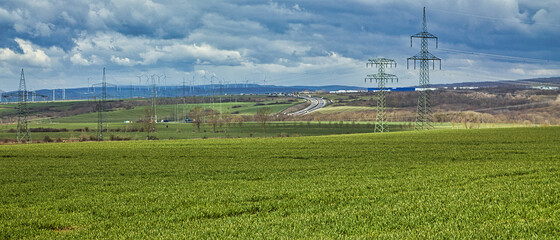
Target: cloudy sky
(316,42)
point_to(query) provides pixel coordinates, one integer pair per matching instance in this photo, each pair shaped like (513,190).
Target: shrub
(47,138)
(83,136)
(48,129)
(118,138)
(283,134)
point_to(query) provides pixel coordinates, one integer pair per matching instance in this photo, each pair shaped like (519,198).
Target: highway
(316,104)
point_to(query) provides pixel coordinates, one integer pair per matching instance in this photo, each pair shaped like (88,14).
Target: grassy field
(188,130)
(177,130)
(338,109)
(473,184)
(168,111)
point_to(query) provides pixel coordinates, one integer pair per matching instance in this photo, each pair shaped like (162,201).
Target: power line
(514,20)
(499,56)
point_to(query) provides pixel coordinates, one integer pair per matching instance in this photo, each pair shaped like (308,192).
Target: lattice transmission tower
(381,78)
(22,125)
(424,115)
(101,107)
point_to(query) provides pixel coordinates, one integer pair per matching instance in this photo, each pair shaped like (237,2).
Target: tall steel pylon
(22,125)
(101,107)
(381,78)
(424,115)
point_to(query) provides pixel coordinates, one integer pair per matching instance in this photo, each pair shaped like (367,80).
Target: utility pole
(191,87)
(221,93)
(22,125)
(154,96)
(183,88)
(424,116)
(381,78)
(101,107)
(212,86)
(139,81)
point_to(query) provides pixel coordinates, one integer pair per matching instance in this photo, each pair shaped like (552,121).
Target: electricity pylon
(22,125)
(101,107)
(424,115)
(381,78)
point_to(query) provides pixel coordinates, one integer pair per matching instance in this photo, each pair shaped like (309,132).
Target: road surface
(316,104)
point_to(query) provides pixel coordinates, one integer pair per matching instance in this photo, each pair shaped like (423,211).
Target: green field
(469,184)
(339,109)
(169,111)
(189,131)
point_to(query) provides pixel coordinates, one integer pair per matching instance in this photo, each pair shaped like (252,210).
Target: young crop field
(75,131)
(473,184)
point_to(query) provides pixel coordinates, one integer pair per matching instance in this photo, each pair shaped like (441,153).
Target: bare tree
(238,119)
(262,116)
(148,123)
(214,117)
(197,115)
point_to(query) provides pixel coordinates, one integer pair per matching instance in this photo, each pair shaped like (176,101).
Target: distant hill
(554,81)
(143,91)
(128,91)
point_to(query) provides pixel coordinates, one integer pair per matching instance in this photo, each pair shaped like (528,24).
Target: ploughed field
(488,183)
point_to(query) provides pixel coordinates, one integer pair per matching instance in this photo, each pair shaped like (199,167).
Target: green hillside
(168,111)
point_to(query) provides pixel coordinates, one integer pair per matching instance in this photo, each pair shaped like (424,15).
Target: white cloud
(546,72)
(78,59)
(517,71)
(30,56)
(123,61)
(193,52)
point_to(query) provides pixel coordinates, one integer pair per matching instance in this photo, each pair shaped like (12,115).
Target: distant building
(403,89)
(346,91)
(398,89)
(544,87)
(425,89)
(465,88)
